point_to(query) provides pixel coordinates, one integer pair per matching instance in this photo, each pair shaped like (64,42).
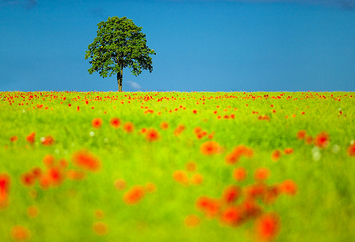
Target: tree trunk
(119,79)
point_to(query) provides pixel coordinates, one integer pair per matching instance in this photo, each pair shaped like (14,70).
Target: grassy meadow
(177,166)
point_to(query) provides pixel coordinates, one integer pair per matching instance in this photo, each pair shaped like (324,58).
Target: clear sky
(201,45)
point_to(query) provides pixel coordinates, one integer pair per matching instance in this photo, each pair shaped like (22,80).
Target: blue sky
(201,45)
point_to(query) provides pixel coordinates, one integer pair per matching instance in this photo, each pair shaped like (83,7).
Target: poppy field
(177,166)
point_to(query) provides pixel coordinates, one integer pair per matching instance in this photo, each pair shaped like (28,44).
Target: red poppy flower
(232,216)
(275,155)
(48,160)
(56,176)
(181,177)
(288,151)
(96,123)
(152,135)
(289,187)
(4,189)
(84,159)
(28,179)
(351,150)
(321,140)
(20,233)
(197,179)
(209,206)
(13,139)
(250,208)
(267,227)
(231,194)
(261,174)
(128,127)
(239,174)
(134,195)
(47,141)
(31,138)
(115,122)
(164,125)
(210,148)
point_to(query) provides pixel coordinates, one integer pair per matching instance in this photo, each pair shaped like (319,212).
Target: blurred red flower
(31,138)
(321,140)
(115,122)
(267,227)
(128,127)
(152,135)
(96,123)
(134,195)
(351,150)
(84,159)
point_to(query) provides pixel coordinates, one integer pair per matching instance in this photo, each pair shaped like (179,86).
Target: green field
(107,184)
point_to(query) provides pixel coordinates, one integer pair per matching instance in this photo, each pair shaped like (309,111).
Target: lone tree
(119,44)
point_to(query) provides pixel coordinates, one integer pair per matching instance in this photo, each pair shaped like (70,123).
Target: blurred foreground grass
(93,208)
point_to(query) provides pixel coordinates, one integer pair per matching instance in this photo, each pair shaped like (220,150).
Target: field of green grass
(169,166)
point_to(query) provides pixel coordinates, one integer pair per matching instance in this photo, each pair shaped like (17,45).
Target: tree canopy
(119,44)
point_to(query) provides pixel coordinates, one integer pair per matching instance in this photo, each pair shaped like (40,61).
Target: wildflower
(20,233)
(31,138)
(13,139)
(267,227)
(27,179)
(47,141)
(134,195)
(100,228)
(270,195)
(275,155)
(128,127)
(208,205)
(181,177)
(192,221)
(232,158)
(321,140)
(239,174)
(210,148)
(231,194)
(56,176)
(4,189)
(164,125)
(48,160)
(261,174)
(115,122)
(152,135)
(179,129)
(250,208)
(308,140)
(288,187)
(288,151)
(197,179)
(232,216)
(86,160)
(96,123)
(351,150)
